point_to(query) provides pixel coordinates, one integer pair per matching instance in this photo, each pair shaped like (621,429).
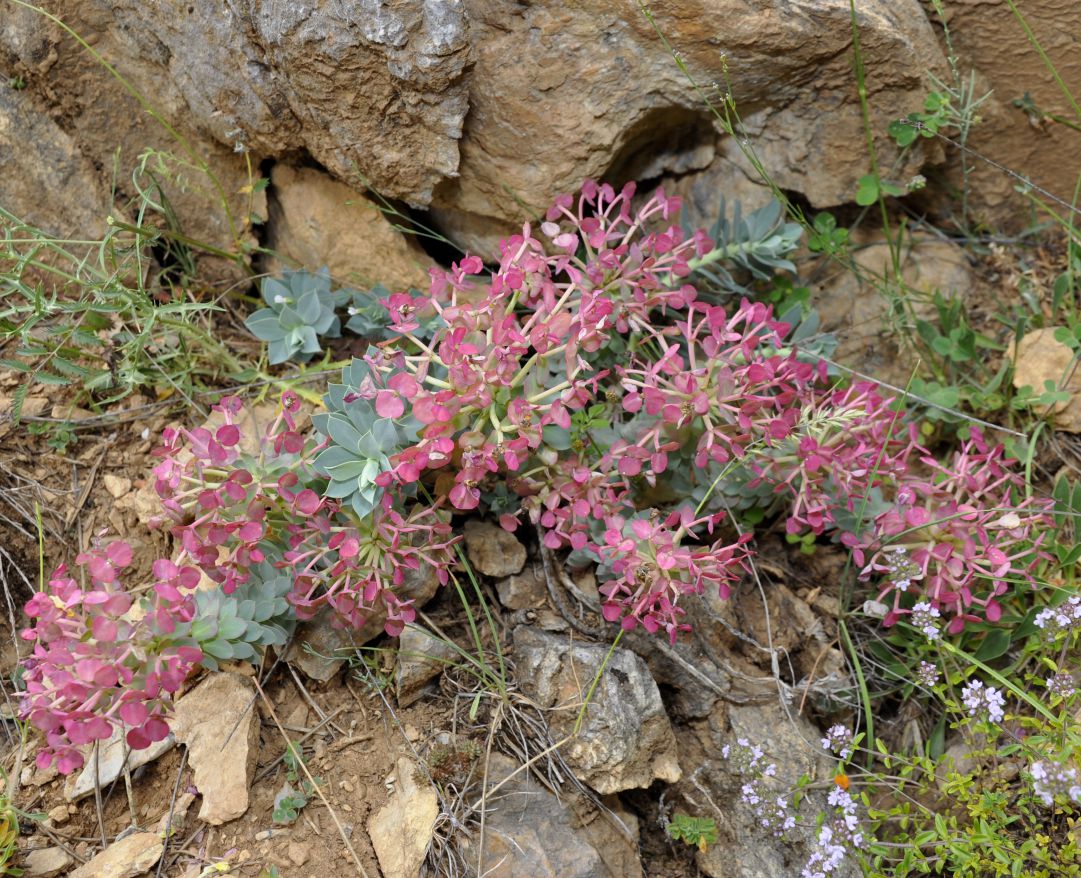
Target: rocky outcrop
(529,831)
(626,740)
(314,220)
(480,109)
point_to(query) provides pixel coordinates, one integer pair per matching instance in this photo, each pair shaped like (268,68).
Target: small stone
(59,814)
(264,834)
(531,832)
(117,486)
(320,650)
(348,787)
(299,853)
(401,829)
(421,656)
(179,813)
(110,763)
(126,858)
(1039,358)
(218,723)
(45,862)
(70,413)
(492,550)
(522,591)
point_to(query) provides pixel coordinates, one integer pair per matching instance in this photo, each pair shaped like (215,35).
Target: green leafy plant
(826,236)
(699,832)
(60,435)
(291,800)
(87,316)
(300,309)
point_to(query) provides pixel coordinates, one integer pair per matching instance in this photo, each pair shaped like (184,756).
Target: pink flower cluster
(651,569)
(97,666)
(233,509)
(958,535)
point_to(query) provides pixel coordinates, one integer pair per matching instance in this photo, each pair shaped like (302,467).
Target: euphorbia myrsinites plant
(583,388)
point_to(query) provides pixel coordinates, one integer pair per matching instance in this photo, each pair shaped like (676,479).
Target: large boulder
(481,109)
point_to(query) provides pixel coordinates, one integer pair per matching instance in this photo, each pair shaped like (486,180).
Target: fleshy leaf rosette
(300,308)
(363,426)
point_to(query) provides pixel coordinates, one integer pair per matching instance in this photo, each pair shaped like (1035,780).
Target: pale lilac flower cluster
(1064,618)
(836,838)
(927,674)
(838,740)
(748,758)
(925,617)
(1060,685)
(899,568)
(983,702)
(770,812)
(1050,781)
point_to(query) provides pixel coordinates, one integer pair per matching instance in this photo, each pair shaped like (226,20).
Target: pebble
(298,853)
(348,787)
(117,486)
(59,814)
(44,862)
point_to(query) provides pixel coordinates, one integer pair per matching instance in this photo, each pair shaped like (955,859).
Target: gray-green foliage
(361,442)
(369,318)
(300,308)
(239,626)
(756,245)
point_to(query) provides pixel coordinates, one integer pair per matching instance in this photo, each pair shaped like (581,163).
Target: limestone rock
(1040,358)
(621,109)
(117,486)
(859,314)
(492,550)
(299,853)
(110,763)
(791,743)
(126,858)
(33,179)
(626,741)
(316,221)
(522,591)
(46,862)
(702,190)
(421,656)
(531,832)
(218,722)
(112,132)
(554,93)
(401,829)
(319,649)
(281,77)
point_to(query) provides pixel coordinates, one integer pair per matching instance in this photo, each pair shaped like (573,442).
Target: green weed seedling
(699,832)
(291,799)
